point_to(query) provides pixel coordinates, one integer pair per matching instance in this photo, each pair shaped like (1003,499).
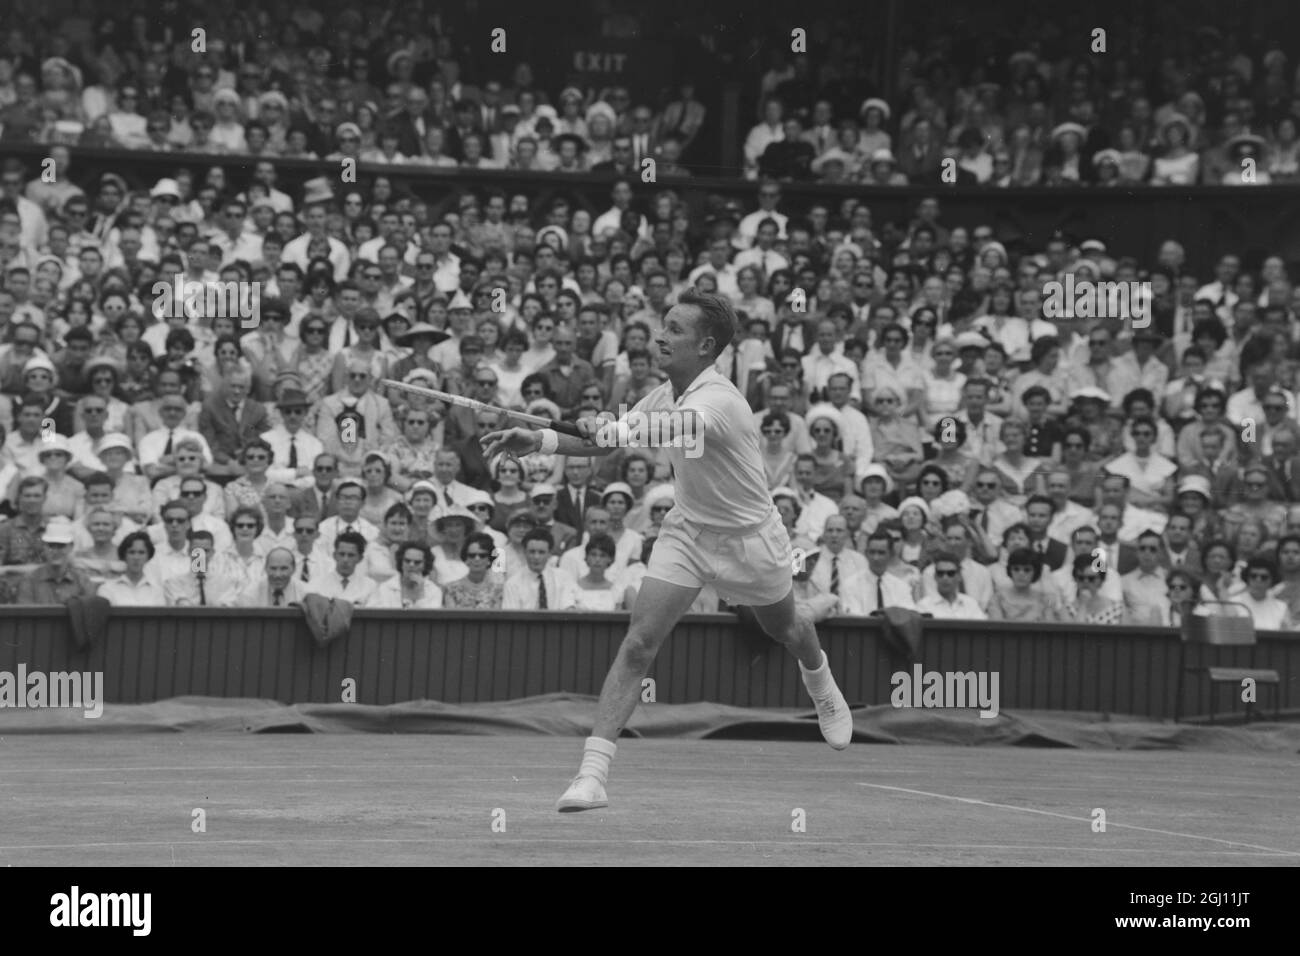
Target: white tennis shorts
(751,568)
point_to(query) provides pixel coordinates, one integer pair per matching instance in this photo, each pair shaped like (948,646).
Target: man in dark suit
(576,494)
(317,501)
(1121,558)
(474,468)
(413,122)
(1180,551)
(1038,515)
(229,420)
(1283,468)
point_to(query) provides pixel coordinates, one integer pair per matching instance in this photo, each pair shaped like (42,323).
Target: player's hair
(717,317)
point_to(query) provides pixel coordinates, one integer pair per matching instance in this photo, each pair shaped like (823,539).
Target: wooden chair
(1223,630)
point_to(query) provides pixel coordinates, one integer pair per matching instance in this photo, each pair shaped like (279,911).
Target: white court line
(1066,816)
(578,842)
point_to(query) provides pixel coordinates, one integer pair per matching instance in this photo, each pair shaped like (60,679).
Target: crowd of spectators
(1030,100)
(914,404)
(932,438)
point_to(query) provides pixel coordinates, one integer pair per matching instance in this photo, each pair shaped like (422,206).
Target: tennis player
(724,529)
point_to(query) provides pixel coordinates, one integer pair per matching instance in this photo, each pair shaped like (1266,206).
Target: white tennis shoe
(834,718)
(584,793)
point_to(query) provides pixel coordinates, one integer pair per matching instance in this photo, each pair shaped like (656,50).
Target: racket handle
(566,428)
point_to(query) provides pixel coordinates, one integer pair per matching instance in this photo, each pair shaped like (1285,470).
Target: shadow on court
(363,799)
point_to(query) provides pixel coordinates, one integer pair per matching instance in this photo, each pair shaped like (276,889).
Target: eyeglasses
(314,330)
(470,555)
(945,574)
(822,431)
(480,507)
(304,530)
(176,520)
(193,494)
(325,468)
(245,526)
(987,485)
(1148,547)
(358,375)
(1259,576)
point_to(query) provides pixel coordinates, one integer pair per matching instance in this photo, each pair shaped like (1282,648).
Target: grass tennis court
(364,799)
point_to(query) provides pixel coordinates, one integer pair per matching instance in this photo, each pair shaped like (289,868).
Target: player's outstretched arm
(525,441)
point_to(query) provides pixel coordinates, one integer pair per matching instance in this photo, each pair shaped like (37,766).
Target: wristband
(550,441)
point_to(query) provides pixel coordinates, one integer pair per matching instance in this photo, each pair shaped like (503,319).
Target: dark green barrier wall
(153,654)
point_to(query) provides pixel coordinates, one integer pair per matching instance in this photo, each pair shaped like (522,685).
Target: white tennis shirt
(718,469)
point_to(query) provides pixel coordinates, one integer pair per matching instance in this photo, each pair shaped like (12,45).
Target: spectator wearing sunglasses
(1269,613)
(1089,606)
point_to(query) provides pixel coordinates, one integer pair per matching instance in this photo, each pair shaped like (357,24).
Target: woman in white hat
(833,471)
(1178,165)
(601,121)
(64,494)
(897,441)
(918,542)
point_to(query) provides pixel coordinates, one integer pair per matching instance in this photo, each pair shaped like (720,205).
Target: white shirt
(295,251)
(259,594)
(119,591)
(962,606)
(853,579)
(976,581)
(521,591)
(358,590)
(896,591)
(389,594)
(768,261)
(220,531)
(1068,519)
(748,227)
(725,486)
(816,508)
(1270,614)
(332,527)
(818,367)
(308,445)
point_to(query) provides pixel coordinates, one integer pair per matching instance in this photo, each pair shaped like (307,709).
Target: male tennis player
(724,529)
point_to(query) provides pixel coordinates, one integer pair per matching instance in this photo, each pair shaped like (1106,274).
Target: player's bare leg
(786,625)
(659,606)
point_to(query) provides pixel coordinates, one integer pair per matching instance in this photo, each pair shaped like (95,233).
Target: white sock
(596,755)
(818,681)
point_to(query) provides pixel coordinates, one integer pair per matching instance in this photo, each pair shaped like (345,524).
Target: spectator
(948,601)
(55,581)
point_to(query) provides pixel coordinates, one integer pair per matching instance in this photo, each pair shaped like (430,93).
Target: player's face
(679,343)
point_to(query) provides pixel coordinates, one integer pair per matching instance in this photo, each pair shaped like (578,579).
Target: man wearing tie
(882,588)
(309,559)
(293,449)
(318,500)
(576,495)
(841,571)
(345,581)
(1038,516)
(278,588)
(348,499)
(539,587)
(198,587)
(449,493)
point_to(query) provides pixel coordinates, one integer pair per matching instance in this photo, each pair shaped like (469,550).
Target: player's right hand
(517,441)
